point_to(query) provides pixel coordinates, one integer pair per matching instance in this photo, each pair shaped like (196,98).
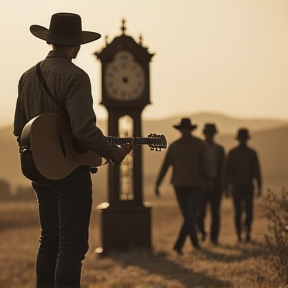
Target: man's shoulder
(28,73)
(219,146)
(76,69)
(233,150)
(197,141)
(192,139)
(251,150)
(237,149)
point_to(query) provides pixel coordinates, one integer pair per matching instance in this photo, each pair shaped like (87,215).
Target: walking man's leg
(202,213)
(238,209)
(215,214)
(249,196)
(182,202)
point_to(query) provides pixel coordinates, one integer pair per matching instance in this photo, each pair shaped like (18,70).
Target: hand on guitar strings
(120,152)
(127,147)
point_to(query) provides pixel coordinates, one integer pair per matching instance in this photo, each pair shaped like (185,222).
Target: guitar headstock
(157,142)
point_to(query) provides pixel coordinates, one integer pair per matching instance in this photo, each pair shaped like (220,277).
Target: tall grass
(275,209)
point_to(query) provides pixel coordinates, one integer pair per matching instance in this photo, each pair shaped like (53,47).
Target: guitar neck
(120,141)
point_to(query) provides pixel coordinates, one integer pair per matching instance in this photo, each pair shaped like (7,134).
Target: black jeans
(212,196)
(64,213)
(243,195)
(188,200)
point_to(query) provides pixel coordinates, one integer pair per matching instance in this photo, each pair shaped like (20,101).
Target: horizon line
(190,114)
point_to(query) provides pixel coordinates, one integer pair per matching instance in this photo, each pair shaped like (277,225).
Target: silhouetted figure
(189,159)
(242,168)
(212,194)
(64,205)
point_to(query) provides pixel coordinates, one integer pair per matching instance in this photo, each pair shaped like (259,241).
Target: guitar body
(52,151)
(49,151)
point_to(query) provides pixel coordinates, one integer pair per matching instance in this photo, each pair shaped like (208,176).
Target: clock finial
(123,27)
(140,39)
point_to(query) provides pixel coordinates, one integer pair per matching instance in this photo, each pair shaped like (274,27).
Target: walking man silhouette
(214,193)
(242,169)
(188,156)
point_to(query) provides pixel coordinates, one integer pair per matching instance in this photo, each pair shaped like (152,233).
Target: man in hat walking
(212,194)
(64,205)
(189,159)
(242,169)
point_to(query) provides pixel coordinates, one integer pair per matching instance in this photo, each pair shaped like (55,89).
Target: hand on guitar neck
(120,152)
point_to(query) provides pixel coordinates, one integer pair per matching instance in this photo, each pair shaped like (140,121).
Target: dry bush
(275,209)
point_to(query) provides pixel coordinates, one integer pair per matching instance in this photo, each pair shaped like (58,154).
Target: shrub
(275,209)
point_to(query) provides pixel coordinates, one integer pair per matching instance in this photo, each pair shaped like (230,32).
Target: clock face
(124,77)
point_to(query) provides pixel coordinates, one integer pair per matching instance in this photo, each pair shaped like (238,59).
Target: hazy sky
(225,56)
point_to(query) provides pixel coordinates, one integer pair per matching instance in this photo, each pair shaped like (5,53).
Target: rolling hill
(269,138)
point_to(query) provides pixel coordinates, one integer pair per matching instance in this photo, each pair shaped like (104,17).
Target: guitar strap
(43,82)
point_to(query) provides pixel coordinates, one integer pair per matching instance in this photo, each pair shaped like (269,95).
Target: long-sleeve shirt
(243,166)
(71,88)
(190,161)
(217,156)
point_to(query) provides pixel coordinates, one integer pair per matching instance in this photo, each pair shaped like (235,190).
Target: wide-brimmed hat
(210,128)
(65,29)
(243,133)
(184,124)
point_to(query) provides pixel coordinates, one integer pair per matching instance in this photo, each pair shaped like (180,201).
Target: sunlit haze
(224,56)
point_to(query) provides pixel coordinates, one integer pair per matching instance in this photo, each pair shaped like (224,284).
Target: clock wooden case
(125,92)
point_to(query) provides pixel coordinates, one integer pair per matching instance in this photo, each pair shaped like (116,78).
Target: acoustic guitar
(49,151)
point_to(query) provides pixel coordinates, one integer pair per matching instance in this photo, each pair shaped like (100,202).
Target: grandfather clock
(125,220)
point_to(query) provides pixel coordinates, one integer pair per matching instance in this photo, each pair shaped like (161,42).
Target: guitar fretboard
(136,140)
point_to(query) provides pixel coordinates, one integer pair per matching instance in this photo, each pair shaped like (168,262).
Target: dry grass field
(228,265)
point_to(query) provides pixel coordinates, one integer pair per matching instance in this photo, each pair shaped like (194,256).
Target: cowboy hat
(185,123)
(65,29)
(243,133)
(210,128)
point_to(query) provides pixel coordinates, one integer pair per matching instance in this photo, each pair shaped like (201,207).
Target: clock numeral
(110,84)
(123,94)
(115,91)
(139,83)
(114,68)
(110,75)
(124,65)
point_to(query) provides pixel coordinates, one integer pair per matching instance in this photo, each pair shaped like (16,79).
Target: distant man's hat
(210,128)
(65,29)
(184,124)
(243,133)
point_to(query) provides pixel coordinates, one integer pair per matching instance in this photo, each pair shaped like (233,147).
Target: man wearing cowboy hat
(65,205)
(242,169)
(212,194)
(189,159)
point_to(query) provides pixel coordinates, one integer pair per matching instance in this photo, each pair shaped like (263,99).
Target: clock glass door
(125,129)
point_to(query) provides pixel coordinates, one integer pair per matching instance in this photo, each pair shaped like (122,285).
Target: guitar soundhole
(77,147)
